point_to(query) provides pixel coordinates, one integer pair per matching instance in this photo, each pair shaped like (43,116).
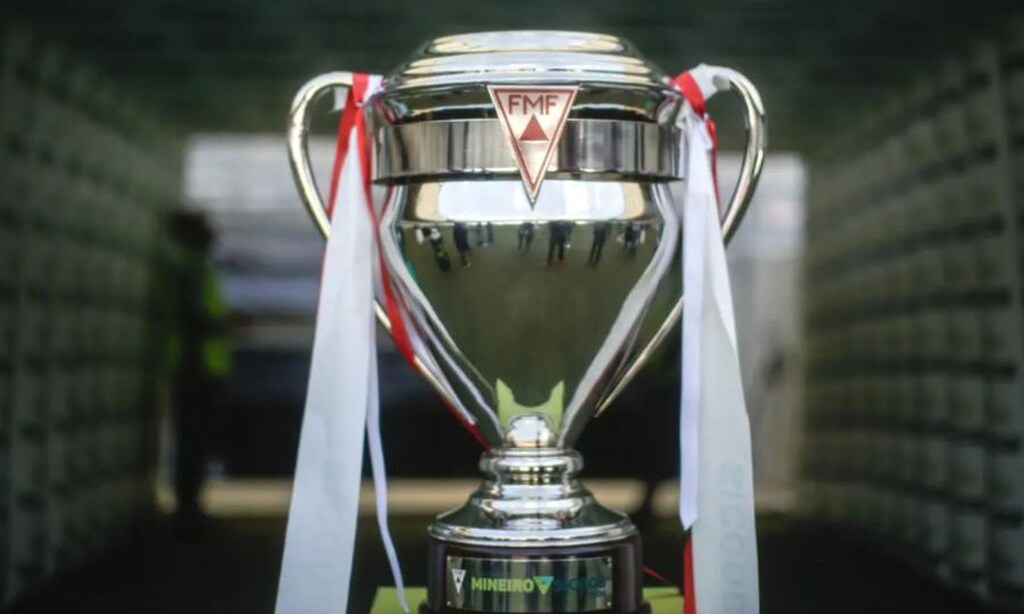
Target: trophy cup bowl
(536,302)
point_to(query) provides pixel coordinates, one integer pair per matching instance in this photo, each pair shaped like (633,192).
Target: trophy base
(531,538)
(600,577)
(645,608)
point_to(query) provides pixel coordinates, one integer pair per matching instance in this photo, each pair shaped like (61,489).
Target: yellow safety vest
(216,347)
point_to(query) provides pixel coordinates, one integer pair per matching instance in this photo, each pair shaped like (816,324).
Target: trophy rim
(528,56)
(466,534)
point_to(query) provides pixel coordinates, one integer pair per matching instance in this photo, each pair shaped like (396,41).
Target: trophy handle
(298,156)
(302,171)
(716,79)
(753,156)
(298,150)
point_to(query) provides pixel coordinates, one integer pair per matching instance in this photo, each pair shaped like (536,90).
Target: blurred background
(158,280)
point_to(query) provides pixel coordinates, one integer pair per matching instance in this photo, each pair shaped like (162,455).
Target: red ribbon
(352,118)
(689,591)
(686,84)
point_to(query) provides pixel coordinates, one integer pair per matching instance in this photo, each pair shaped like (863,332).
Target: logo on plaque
(458,576)
(532,119)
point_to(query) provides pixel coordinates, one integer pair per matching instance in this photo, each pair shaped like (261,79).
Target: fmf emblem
(532,119)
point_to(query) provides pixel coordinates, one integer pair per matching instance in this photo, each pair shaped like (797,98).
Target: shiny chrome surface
(529,308)
(477,147)
(531,497)
(518,56)
(446,78)
(757,141)
(533,315)
(298,146)
(746,183)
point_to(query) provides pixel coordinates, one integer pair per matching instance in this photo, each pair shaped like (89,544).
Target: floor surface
(233,569)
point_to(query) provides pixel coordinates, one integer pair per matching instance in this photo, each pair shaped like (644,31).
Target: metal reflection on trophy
(531,230)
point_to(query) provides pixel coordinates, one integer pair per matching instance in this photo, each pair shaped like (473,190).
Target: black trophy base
(605,577)
(645,608)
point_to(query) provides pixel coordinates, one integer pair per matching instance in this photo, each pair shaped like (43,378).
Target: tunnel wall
(86,181)
(914,395)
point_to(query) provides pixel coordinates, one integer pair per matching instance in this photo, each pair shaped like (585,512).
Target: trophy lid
(447,77)
(526,55)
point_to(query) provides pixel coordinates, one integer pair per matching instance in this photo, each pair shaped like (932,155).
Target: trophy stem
(531,538)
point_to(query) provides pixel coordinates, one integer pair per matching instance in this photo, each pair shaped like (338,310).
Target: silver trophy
(531,228)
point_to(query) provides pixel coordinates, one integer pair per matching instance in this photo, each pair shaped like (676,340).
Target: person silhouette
(525,235)
(461,236)
(631,238)
(597,245)
(437,247)
(198,357)
(558,240)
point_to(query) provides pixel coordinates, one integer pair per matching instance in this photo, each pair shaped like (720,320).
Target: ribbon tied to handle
(716,502)
(342,399)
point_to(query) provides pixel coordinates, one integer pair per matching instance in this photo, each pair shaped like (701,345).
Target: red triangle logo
(532,119)
(533,131)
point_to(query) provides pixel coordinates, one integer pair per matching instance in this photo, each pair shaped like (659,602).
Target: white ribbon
(716,492)
(342,402)
(700,202)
